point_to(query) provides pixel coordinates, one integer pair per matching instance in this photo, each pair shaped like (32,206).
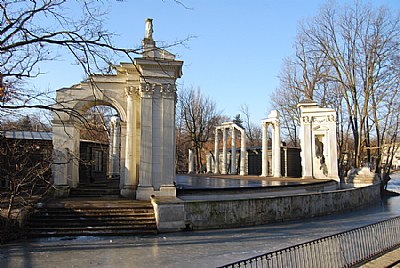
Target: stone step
(93,228)
(94,210)
(80,216)
(92,215)
(112,232)
(85,220)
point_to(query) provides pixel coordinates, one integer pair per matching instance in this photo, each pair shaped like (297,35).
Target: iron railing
(344,249)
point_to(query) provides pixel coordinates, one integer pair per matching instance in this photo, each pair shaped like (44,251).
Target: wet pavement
(187,249)
(204,181)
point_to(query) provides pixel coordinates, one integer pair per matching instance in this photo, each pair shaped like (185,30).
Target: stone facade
(144,94)
(318,141)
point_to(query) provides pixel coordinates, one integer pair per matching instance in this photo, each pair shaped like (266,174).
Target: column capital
(306,119)
(168,90)
(131,90)
(147,89)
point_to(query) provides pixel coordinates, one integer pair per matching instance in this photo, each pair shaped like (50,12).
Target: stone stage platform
(220,187)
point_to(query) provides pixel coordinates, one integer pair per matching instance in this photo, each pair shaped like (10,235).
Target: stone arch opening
(100,144)
(144,94)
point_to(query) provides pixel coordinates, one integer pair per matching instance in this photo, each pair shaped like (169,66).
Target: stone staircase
(93,209)
(84,216)
(101,188)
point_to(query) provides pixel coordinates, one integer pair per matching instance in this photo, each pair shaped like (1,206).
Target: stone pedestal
(170,214)
(360,177)
(146,193)
(61,191)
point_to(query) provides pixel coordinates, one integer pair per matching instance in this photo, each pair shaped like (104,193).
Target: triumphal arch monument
(143,93)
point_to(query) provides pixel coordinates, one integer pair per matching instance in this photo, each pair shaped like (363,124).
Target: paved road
(188,249)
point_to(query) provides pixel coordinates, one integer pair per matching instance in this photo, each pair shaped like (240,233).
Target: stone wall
(249,212)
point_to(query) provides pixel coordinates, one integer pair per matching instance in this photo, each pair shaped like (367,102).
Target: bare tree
(347,59)
(286,98)
(253,131)
(35,32)
(360,44)
(200,117)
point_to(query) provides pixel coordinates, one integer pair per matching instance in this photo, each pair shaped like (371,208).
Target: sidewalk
(390,259)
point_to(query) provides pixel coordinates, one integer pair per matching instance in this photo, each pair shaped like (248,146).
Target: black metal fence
(340,250)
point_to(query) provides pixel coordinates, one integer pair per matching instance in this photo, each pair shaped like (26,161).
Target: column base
(129,191)
(61,191)
(146,192)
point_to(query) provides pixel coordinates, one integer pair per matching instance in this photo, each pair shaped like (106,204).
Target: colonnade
(233,128)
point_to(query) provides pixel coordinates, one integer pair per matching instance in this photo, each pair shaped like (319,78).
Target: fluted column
(233,149)
(110,149)
(216,152)
(306,147)
(277,150)
(243,150)
(273,144)
(264,158)
(130,179)
(224,150)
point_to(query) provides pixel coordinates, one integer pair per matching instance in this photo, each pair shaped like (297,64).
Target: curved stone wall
(249,212)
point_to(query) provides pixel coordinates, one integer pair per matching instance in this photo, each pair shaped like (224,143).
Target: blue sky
(237,53)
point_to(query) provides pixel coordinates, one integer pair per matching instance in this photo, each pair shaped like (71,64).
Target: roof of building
(27,135)
(34,135)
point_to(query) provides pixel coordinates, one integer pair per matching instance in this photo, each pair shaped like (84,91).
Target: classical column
(224,150)
(122,153)
(114,146)
(191,162)
(277,150)
(216,152)
(306,147)
(264,158)
(273,145)
(209,163)
(233,149)
(243,150)
(285,154)
(110,149)
(130,179)
(146,137)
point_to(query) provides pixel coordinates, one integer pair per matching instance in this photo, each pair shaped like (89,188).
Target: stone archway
(144,94)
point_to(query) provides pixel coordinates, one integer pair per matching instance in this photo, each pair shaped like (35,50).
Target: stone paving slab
(390,259)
